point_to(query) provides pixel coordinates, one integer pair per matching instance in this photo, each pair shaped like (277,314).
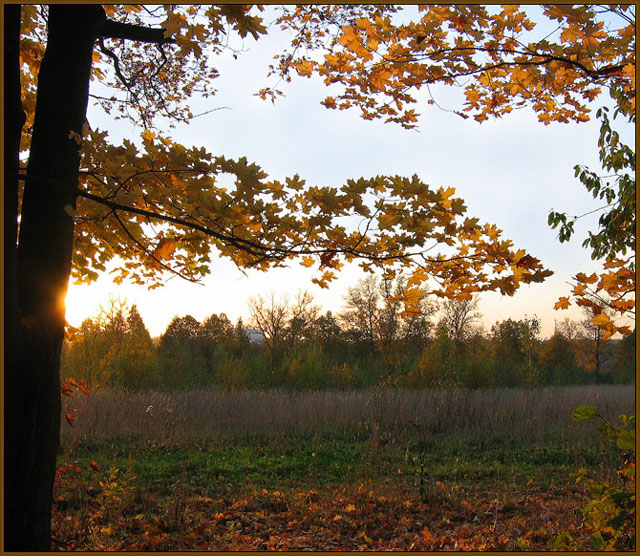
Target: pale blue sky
(510,172)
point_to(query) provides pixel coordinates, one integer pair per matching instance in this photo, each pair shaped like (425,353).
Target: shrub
(611,513)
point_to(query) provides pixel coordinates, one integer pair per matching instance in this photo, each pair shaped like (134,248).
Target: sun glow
(81,303)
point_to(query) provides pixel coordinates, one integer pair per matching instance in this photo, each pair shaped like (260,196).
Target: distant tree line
(372,341)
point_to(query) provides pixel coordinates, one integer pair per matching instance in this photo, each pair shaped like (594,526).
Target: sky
(510,172)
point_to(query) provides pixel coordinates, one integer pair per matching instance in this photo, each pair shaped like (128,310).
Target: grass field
(342,470)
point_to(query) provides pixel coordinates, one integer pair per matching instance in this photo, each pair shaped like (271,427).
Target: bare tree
(388,320)
(570,329)
(302,316)
(460,316)
(282,323)
(361,309)
(375,314)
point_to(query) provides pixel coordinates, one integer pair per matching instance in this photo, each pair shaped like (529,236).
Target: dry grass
(184,417)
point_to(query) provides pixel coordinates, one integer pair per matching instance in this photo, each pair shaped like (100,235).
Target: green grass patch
(228,463)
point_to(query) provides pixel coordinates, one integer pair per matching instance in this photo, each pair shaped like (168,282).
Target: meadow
(372,469)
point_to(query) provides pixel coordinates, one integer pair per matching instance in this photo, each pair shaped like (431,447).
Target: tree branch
(149,253)
(116,66)
(262,252)
(116,30)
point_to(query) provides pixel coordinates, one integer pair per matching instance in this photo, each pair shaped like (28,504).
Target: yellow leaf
(579,289)
(307,261)
(609,282)
(148,135)
(562,303)
(412,297)
(601,320)
(304,68)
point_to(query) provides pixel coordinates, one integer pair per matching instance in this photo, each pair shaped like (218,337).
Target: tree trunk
(14,118)
(32,381)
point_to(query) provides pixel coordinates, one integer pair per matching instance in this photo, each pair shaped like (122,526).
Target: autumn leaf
(304,67)
(427,537)
(329,102)
(165,248)
(69,417)
(307,261)
(582,277)
(148,135)
(601,320)
(326,258)
(562,303)
(83,387)
(70,384)
(381,66)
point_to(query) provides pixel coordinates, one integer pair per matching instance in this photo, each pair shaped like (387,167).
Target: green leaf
(597,541)
(584,412)
(626,441)
(595,490)
(562,540)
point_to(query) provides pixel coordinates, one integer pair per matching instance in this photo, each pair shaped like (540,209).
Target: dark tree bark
(14,118)
(32,382)
(38,270)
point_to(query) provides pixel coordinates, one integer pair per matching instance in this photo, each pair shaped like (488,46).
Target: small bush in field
(611,512)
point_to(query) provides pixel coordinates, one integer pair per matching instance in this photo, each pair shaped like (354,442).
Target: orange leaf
(601,320)
(148,135)
(329,102)
(624,304)
(69,418)
(307,261)
(65,390)
(165,248)
(83,387)
(562,303)
(427,536)
(582,277)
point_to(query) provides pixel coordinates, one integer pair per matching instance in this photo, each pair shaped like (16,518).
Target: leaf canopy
(162,207)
